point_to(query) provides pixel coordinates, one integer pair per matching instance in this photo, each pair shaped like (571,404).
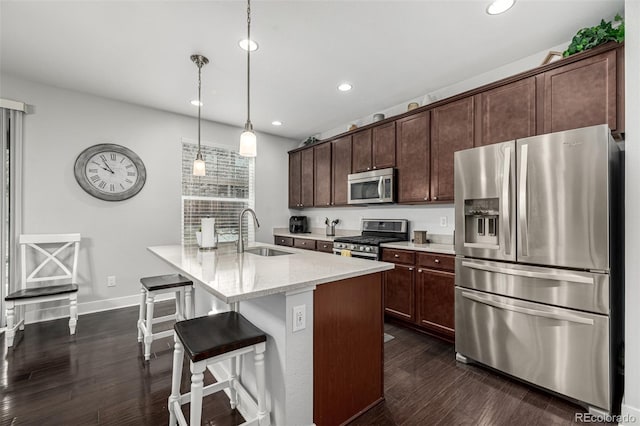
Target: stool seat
(27,293)
(162,282)
(210,336)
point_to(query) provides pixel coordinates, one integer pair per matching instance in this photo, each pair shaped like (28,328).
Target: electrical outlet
(299,318)
(111,281)
(443,221)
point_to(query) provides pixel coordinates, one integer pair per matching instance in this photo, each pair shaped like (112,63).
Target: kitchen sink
(266,251)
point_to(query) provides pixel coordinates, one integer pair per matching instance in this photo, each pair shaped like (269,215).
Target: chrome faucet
(255,220)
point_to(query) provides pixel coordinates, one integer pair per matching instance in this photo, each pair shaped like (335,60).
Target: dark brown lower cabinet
(435,300)
(399,292)
(419,292)
(304,243)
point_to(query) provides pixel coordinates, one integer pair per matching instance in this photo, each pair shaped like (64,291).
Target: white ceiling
(391,51)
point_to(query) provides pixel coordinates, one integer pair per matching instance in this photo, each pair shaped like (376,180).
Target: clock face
(110,172)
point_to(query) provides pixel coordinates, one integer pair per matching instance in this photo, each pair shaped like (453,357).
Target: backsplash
(421,217)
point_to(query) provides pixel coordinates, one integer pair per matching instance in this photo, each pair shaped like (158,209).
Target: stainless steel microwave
(376,186)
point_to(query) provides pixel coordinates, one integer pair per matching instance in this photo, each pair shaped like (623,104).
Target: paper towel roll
(208,225)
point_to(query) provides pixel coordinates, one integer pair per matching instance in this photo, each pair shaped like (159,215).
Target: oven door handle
(357,254)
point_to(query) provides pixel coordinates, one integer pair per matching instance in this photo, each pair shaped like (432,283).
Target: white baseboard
(630,416)
(62,311)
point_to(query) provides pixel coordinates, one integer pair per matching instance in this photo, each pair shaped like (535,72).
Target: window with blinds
(227,188)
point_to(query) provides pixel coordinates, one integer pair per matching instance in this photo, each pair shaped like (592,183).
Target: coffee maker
(298,224)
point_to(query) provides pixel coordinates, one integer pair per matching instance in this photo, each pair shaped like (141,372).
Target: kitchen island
(328,371)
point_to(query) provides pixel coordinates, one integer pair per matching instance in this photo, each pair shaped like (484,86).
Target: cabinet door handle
(435,198)
(368,168)
(426,198)
(437,261)
(327,203)
(374,167)
(420,271)
(396,255)
(411,269)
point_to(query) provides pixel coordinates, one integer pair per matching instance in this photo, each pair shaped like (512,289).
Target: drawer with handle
(324,246)
(283,241)
(398,256)
(436,261)
(304,243)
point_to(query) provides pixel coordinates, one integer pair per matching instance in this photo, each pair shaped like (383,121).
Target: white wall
(422,217)
(116,234)
(631,403)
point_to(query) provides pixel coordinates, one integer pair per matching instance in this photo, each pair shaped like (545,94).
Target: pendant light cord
(199,101)
(248,62)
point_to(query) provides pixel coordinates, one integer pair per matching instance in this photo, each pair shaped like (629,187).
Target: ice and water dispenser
(481,221)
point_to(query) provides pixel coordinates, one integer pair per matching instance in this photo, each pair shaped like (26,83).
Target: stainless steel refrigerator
(539,262)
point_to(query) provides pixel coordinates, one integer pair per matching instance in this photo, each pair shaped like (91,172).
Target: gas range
(374,233)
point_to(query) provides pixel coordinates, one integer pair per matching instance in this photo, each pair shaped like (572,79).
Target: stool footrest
(206,391)
(177,410)
(165,318)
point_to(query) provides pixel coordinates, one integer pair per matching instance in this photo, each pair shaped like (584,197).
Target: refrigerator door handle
(527,311)
(531,274)
(506,219)
(522,201)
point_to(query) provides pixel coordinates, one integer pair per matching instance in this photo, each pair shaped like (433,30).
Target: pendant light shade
(248,143)
(199,168)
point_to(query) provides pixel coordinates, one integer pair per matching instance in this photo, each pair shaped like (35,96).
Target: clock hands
(100,165)
(108,168)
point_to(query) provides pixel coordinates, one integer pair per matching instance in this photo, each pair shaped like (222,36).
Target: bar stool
(150,288)
(208,340)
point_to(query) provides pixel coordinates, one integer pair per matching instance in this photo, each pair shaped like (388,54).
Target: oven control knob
(367,248)
(361,248)
(352,247)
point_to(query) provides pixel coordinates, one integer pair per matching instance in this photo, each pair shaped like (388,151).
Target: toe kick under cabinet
(419,292)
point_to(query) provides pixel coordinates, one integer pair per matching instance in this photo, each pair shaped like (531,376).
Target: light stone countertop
(430,248)
(315,234)
(233,277)
(306,236)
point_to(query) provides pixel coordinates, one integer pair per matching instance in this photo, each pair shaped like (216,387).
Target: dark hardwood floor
(96,377)
(99,377)
(424,385)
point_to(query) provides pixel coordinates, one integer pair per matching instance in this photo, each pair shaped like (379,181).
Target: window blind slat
(227,188)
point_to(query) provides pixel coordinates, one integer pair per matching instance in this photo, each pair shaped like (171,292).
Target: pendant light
(248,138)
(198,163)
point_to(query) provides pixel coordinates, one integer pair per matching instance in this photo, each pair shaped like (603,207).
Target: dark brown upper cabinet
(413,160)
(374,148)
(452,129)
(583,93)
(384,146)
(295,175)
(306,181)
(507,112)
(322,175)
(361,151)
(340,170)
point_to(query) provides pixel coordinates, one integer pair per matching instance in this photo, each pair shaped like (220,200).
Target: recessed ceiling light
(248,44)
(276,123)
(195,102)
(500,6)
(345,87)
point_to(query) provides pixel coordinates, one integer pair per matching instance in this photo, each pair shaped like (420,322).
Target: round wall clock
(110,172)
